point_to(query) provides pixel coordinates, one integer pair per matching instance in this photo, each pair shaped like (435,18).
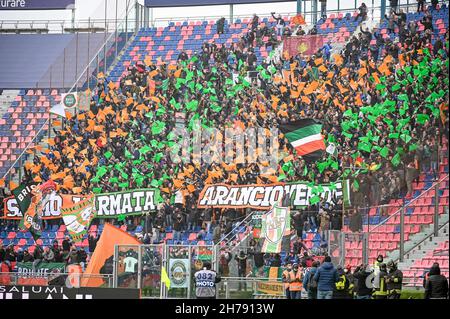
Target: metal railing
(229,237)
(398,212)
(109,24)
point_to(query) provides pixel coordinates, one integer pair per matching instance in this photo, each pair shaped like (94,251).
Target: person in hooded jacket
(436,285)
(309,284)
(27,257)
(326,277)
(361,273)
(341,288)
(394,281)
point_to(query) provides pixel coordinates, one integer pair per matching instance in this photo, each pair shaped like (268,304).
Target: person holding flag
(32,215)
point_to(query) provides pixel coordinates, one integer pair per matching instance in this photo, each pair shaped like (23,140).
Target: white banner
(179,273)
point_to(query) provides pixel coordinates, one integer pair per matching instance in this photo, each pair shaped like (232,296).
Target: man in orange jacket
(286,278)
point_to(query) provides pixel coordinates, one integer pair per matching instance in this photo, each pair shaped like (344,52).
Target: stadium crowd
(388,98)
(66,253)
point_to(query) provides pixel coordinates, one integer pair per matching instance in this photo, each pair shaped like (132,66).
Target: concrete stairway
(424,248)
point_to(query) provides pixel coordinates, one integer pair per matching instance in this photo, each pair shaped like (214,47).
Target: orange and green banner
(276,230)
(107,205)
(78,217)
(104,253)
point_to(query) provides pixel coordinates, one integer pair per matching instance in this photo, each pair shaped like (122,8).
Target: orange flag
(110,237)
(68,115)
(311,88)
(155,99)
(341,88)
(148,60)
(377,79)
(272,178)
(111,85)
(362,72)
(358,100)
(306,100)
(129,101)
(12,185)
(177,183)
(338,60)
(37,179)
(318,61)
(353,85)
(298,19)
(177,73)
(322,68)
(344,72)
(153,73)
(295,94)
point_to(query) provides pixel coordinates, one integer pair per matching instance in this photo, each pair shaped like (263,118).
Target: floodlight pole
(231,13)
(73,18)
(383,9)
(299,6)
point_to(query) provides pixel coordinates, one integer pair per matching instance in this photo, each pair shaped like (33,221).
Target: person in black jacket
(27,257)
(401,21)
(220,25)
(393,4)
(436,286)
(37,256)
(66,244)
(10,254)
(254,22)
(420,5)
(241,260)
(279,23)
(341,289)
(2,253)
(362,12)
(56,251)
(361,273)
(92,242)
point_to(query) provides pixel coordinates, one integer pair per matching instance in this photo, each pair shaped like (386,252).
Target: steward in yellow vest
(295,282)
(285,279)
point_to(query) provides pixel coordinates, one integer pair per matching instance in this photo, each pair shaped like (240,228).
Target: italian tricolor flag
(305,136)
